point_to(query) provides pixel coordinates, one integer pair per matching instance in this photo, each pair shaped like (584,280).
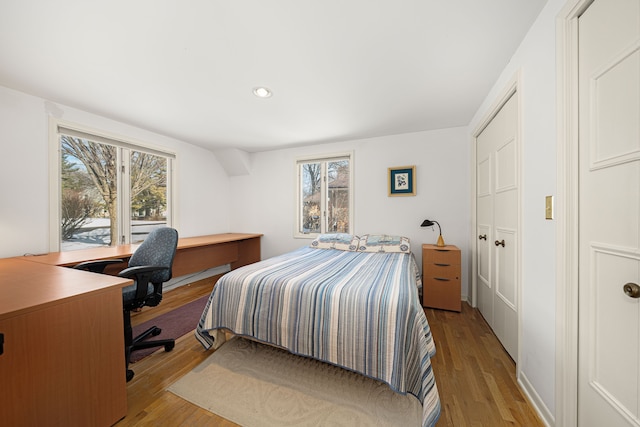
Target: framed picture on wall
(402,181)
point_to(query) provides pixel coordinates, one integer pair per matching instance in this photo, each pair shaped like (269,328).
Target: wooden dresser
(441,277)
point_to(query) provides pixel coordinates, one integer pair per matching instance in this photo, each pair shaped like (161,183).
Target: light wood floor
(474,374)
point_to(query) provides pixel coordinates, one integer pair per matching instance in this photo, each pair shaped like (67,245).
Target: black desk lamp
(429,223)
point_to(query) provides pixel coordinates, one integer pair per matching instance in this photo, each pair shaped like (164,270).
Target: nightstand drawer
(442,256)
(443,294)
(442,271)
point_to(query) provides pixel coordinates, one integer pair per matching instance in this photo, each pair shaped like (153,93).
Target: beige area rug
(253,384)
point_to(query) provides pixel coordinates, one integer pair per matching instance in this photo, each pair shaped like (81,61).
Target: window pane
(148,176)
(338,196)
(310,183)
(88,202)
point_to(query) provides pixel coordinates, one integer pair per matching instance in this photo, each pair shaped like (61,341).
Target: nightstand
(441,277)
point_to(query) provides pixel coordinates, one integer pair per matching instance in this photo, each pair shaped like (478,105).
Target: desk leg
(248,252)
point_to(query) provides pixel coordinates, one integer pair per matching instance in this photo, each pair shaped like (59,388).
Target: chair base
(139,343)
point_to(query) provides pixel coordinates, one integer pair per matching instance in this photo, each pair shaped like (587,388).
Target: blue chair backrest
(158,249)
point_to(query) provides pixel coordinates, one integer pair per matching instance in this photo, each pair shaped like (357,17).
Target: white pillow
(384,243)
(340,241)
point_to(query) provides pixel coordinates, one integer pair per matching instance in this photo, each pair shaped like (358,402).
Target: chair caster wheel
(130,375)
(156,332)
(169,347)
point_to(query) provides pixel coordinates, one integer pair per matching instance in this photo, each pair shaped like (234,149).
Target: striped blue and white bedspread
(357,310)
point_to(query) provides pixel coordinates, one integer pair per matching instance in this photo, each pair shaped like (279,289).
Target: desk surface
(29,283)
(124,251)
(28,286)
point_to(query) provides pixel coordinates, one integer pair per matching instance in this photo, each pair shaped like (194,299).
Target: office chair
(149,266)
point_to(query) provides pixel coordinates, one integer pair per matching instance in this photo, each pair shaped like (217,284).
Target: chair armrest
(96,266)
(134,272)
(142,275)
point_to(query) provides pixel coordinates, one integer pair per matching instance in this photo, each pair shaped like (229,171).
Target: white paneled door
(497,224)
(609,133)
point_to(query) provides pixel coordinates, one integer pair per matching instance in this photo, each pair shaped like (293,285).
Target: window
(109,191)
(324,195)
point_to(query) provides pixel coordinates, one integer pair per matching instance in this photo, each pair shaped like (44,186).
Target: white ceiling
(338,69)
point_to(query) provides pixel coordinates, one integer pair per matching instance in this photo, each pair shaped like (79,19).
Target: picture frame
(402,181)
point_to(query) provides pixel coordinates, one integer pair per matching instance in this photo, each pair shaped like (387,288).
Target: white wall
(202,186)
(264,200)
(535,59)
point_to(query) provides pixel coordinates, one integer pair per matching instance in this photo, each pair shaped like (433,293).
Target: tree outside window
(324,192)
(96,203)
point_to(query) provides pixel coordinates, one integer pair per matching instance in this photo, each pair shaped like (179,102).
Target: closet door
(609,251)
(497,224)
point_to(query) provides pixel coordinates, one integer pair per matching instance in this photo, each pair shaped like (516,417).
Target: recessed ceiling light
(262,92)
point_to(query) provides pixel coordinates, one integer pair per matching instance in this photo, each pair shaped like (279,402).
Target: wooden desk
(63,360)
(63,354)
(194,254)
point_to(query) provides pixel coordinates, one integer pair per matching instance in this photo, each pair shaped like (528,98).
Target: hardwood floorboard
(474,374)
(175,298)
(149,404)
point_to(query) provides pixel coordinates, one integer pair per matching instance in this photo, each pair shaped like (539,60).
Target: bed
(349,301)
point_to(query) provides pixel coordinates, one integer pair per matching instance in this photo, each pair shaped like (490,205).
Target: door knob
(631,290)
(500,243)
(482,237)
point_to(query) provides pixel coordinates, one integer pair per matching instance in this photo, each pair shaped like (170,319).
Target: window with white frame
(110,191)
(324,195)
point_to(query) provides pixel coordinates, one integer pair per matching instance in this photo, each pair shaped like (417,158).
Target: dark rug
(174,324)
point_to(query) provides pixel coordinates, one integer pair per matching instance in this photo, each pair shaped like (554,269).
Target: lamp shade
(429,223)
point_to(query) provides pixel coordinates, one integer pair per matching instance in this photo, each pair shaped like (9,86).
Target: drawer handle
(482,237)
(499,243)
(442,265)
(442,279)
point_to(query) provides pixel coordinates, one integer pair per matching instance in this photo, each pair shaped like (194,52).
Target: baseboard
(176,282)
(534,399)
